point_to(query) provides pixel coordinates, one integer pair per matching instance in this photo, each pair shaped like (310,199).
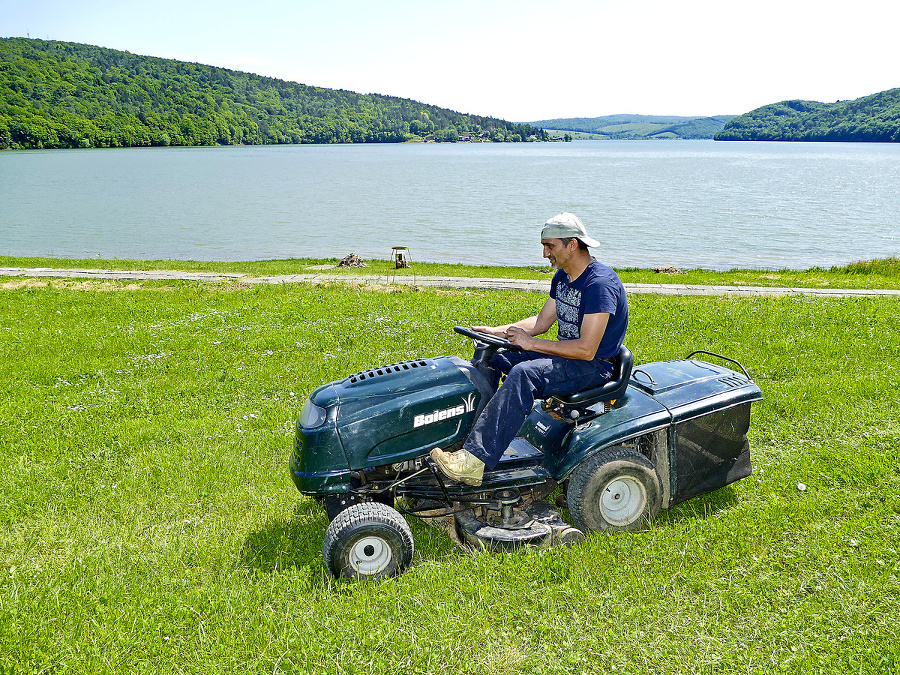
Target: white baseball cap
(567,225)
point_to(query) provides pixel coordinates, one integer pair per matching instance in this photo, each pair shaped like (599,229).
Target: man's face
(556,253)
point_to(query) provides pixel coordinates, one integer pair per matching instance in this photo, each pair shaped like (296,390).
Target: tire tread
(585,472)
(366,514)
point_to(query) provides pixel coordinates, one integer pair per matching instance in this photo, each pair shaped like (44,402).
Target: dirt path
(21,273)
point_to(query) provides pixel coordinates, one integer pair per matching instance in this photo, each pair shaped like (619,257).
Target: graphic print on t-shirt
(568,300)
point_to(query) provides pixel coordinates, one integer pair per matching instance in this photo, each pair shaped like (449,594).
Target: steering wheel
(488,339)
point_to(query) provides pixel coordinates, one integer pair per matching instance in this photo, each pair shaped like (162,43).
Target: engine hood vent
(384,371)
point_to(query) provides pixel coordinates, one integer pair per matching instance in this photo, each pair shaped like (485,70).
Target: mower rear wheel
(617,490)
(368,540)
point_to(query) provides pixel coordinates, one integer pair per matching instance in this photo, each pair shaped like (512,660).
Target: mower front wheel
(368,540)
(617,490)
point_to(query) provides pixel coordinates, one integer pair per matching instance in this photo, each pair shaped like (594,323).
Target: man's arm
(593,326)
(533,325)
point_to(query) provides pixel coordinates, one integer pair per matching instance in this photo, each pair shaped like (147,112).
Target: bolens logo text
(468,405)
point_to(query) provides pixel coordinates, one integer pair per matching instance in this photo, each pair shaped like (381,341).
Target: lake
(688,204)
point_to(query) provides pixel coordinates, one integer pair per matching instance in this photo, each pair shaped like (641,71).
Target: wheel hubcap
(370,555)
(623,500)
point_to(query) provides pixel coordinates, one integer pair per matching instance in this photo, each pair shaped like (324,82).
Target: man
(588,301)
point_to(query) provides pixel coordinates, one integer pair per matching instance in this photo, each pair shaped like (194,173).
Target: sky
(519,60)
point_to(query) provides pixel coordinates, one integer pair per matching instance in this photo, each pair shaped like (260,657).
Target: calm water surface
(683,203)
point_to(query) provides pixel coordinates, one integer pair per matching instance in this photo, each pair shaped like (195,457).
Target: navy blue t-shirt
(597,289)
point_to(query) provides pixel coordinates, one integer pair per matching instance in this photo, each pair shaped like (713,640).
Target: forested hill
(633,127)
(874,118)
(67,95)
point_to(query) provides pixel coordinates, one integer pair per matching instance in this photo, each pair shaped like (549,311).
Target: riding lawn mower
(613,456)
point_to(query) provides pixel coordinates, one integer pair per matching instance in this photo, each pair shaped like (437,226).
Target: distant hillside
(874,118)
(66,95)
(639,126)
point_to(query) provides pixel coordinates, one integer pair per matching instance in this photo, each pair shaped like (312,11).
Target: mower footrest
(513,477)
(520,453)
(501,477)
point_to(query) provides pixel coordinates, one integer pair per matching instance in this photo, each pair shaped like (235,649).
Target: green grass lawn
(884,273)
(148,522)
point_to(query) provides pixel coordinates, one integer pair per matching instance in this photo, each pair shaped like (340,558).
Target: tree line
(67,95)
(873,119)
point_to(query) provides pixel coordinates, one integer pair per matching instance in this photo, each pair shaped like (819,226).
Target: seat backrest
(613,389)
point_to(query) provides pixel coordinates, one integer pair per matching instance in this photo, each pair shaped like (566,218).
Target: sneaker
(460,466)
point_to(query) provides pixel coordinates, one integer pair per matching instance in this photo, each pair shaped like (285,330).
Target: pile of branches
(352,260)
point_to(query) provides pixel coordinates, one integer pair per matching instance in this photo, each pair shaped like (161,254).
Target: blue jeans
(529,376)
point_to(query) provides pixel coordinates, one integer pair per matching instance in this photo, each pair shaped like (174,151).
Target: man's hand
(533,325)
(498,331)
(519,337)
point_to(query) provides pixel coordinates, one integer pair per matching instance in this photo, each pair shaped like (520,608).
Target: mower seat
(566,404)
